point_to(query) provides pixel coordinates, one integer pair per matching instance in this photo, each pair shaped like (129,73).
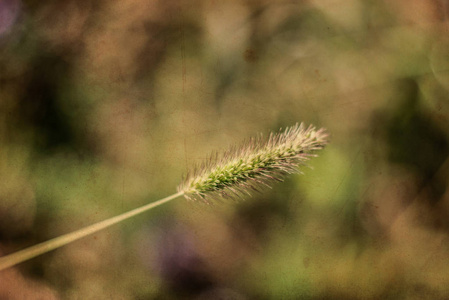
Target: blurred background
(104,105)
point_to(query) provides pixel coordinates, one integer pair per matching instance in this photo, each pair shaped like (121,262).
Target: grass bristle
(256,164)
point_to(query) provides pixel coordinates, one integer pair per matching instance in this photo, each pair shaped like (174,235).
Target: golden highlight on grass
(234,174)
(255,164)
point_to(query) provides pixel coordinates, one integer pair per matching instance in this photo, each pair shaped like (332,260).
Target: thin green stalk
(31,252)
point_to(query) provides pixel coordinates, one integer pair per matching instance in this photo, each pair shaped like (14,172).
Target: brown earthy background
(104,105)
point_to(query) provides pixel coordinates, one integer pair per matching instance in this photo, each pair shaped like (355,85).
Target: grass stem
(44,247)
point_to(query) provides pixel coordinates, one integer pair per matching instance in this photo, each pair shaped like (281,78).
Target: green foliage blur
(104,105)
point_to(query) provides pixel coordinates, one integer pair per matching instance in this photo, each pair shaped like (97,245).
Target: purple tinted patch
(9,11)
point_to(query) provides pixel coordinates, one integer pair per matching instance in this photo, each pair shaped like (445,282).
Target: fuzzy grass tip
(257,163)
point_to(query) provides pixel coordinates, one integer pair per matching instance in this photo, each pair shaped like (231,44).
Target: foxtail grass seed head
(257,163)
